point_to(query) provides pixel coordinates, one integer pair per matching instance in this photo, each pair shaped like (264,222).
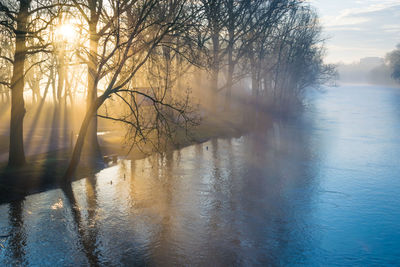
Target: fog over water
(319,190)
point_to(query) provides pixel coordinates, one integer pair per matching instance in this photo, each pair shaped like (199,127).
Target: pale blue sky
(359,28)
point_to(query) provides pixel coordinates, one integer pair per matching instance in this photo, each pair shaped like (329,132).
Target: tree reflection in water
(87,233)
(17,239)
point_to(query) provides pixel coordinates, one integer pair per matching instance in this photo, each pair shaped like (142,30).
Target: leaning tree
(126,46)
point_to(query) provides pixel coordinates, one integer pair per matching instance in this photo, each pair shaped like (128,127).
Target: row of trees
(135,61)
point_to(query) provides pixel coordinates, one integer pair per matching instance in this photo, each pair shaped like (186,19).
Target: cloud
(392,28)
(346,28)
(360,28)
(361,15)
(343,21)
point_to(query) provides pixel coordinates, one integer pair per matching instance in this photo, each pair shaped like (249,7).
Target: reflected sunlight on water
(58,205)
(322,190)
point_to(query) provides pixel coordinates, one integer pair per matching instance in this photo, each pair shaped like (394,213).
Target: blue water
(321,190)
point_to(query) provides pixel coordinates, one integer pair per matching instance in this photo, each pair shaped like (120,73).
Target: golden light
(66,32)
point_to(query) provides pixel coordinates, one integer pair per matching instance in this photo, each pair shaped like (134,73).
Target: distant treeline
(372,70)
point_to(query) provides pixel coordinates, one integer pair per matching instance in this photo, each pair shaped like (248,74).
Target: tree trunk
(83,131)
(92,151)
(61,76)
(229,82)
(16,150)
(215,70)
(53,85)
(255,83)
(231,66)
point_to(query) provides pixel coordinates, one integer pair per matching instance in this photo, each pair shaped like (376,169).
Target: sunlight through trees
(156,68)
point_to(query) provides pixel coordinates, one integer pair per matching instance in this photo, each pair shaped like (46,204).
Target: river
(321,190)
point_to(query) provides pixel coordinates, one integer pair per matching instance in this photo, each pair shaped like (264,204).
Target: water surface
(322,190)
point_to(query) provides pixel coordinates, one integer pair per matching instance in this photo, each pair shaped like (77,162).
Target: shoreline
(45,171)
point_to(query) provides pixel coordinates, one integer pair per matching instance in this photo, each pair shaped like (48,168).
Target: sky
(359,28)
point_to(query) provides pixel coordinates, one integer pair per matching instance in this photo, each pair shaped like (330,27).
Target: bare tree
(16,153)
(126,48)
(298,58)
(18,18)
(92,11)
(215,19)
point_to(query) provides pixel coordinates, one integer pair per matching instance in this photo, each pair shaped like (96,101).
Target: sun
(66,32)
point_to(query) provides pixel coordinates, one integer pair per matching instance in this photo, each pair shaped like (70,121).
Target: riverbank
(319,191)
(45,170)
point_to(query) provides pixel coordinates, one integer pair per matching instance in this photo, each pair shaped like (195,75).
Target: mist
(185,132)
(370,70)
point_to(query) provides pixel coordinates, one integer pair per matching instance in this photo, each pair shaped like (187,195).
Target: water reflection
(17,238)
(87,233)
(286,196)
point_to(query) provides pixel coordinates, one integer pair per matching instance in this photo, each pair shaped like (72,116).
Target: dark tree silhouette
(394,63)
